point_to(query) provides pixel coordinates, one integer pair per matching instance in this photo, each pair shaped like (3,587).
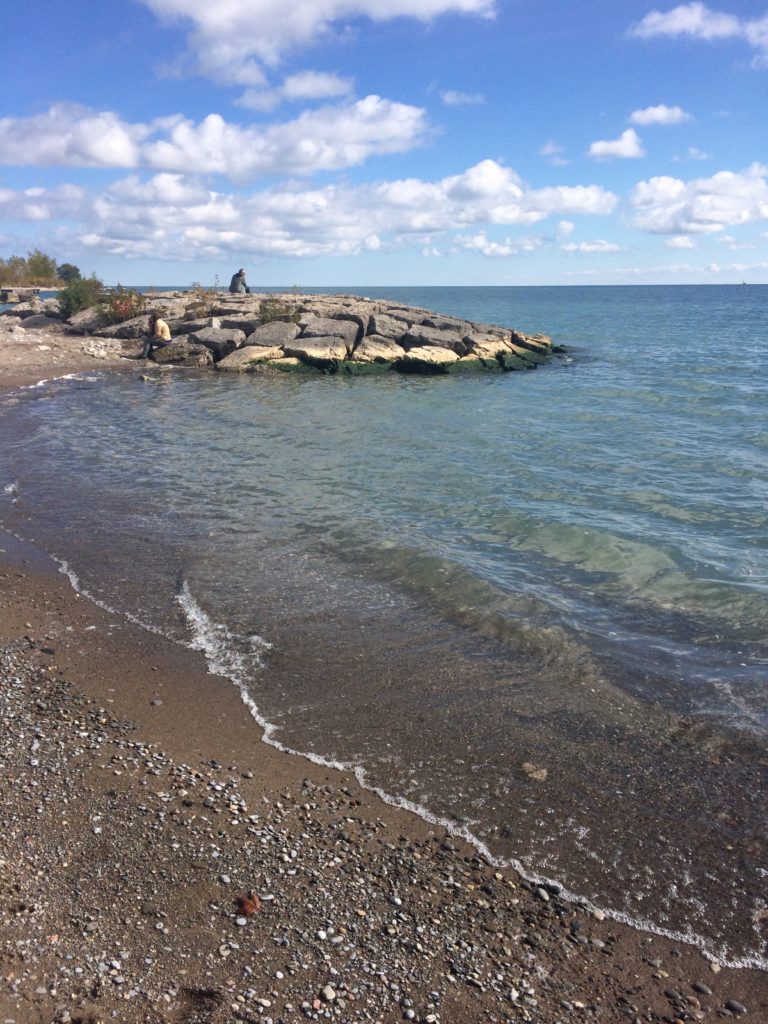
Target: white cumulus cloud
(232,40)
(179,217)
(326,138)
(627,147)
(697,21)
(71,136)
(41,204)
(666,205)
(487,247)
(660,114)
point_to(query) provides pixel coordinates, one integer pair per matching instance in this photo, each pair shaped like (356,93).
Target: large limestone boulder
(219,340)
(184,351)
(485,345)
(32,307)
(247,323)
(377,349)
(276,332)
(40,320)
(447,323)
(86,320)
(322,327)
(167,306)
(388,326)
(244,360)
(359,315)
(136,327)
(428,359)
(325,352)
(419,336)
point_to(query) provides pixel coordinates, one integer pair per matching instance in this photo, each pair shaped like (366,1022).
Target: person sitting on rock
(237,285)
(159,336)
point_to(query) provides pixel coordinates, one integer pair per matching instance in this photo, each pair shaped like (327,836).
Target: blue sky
(366,142)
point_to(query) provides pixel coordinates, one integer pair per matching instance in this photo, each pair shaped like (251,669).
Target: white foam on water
(219,645)
(47,380)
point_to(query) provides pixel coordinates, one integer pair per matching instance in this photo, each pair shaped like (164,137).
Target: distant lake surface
(533,605)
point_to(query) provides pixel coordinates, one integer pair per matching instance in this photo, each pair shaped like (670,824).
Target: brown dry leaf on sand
(248,904)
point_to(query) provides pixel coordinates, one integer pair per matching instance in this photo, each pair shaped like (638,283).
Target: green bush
(81,293)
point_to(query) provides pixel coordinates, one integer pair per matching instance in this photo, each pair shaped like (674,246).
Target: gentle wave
(240,659)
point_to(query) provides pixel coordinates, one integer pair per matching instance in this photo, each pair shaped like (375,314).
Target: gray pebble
(735,1007)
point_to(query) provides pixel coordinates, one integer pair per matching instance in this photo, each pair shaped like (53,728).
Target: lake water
(533,606)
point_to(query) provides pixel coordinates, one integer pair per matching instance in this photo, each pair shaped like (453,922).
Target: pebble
(701,988)
(328,993)
(735,1006)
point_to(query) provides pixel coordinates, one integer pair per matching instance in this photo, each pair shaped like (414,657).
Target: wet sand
(140,806)
(27,357)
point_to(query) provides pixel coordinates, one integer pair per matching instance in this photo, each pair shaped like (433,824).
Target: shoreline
(459,922)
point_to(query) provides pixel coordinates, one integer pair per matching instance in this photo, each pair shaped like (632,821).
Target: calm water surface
(445,581)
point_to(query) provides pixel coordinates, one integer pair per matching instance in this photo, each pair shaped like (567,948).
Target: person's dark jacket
(238,285)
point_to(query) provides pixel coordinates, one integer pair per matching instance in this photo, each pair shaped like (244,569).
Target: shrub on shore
(80,294)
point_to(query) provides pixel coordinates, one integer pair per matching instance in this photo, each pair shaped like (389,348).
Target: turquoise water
(439,580)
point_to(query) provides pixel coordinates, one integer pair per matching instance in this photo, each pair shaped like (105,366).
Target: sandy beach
(161,864)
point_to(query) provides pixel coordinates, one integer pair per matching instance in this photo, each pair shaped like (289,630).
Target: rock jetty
(300,333)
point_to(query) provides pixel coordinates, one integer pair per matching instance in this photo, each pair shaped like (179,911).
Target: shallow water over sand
(467,583)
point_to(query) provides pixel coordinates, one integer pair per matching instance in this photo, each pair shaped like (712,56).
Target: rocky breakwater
(333,334)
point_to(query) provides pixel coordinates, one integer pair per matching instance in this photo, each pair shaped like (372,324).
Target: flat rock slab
(276,332)
(40,320)
(322,327)
(245,359)
(389,326)
(433,337)
(219,340)
(429,359)
(323,352)
(377,349)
